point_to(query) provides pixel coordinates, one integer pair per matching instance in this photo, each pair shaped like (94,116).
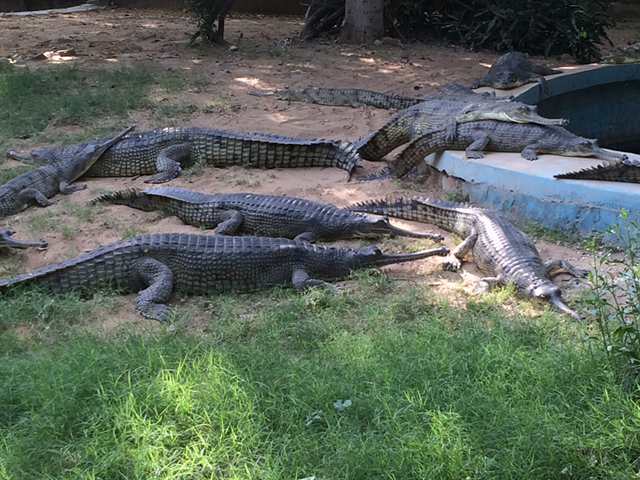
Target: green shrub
(615,296)
(209,15)
(539,27)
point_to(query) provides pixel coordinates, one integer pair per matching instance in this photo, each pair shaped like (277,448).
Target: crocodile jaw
(516,117)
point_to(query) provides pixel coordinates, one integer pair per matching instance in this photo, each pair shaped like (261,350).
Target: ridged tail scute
(120,197)
(351,158)
(627,171)
(131,197)
(381,175)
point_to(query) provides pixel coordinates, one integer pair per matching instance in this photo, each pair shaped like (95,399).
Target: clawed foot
(157,311)
(474,154)
(481,287)
(452,263)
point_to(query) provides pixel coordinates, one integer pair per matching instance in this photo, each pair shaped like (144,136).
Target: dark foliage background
(538,27)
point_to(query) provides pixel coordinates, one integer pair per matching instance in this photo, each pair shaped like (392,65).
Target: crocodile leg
(556,264)
(300,280)
(306,237)
(168,162)
(33,194)
(231,221)
(152,300)
(485,284)
(454,259)
(544,86)
(69,189)
(480,141)
(529,152)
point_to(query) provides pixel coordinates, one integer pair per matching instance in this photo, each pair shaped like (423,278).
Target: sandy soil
(268,57)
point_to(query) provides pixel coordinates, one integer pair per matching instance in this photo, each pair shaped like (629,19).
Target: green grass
(99,99)
(435,392)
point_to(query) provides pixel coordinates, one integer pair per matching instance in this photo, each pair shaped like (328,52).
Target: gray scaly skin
(514,69)
(630,54)
(41,184)
(627,171)
(501,251)
(342,97)
(164,152)
(358,97)
(155,265)
(410,123)
(261,215)
(528,139)
(8,242)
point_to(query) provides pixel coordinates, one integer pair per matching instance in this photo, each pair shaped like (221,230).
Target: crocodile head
(586,147)
(549,292)
(7,241)
(378,225)
(509,79)
(521,113)
(372,256)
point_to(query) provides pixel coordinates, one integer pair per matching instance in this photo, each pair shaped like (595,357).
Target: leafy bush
(209,15)
(615,296)
(539,27)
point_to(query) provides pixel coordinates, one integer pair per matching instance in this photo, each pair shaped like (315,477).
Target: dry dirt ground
(268,57)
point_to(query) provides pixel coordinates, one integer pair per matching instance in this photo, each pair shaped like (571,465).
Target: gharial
(501,251)
(528,139)
(40,184)
(155,265)
(164,152)
(262,215)
(514,69)
(359,97)
(412,122)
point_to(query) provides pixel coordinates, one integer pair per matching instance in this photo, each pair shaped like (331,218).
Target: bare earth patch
(268,57)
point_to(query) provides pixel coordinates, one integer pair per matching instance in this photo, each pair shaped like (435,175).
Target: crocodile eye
(585,143)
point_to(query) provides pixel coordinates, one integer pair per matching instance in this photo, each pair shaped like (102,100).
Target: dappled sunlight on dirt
(112,38)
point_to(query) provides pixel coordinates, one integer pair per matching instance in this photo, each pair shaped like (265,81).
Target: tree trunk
(363,21)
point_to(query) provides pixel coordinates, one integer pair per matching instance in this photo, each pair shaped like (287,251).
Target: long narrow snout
(19,157)
(557,301)
(7,241)
(532,117)
(391,258)
(401,232)
(608,155)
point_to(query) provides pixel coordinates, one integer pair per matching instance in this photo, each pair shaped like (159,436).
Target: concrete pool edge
(509,183)
(527,191)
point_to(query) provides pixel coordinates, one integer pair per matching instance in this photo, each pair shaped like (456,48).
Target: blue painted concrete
(526,191)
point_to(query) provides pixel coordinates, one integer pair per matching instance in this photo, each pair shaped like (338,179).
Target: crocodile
(630,54)
(514,69)
(6,241)
(154,265)
(501,251)
(261,215)
(526,138)
(409,124)
(163,152)
(40,184)
(358,97)
(621,171)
